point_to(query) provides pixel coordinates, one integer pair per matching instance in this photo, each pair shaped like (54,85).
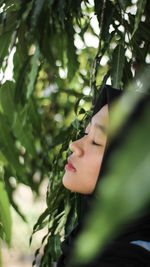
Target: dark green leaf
(33,72)
(8,149)
(118,59)
(140,9)
(76,123)
(37,7)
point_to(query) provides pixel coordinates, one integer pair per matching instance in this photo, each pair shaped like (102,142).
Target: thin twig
(95,62)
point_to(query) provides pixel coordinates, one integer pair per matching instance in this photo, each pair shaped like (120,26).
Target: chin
(75,189)
(70,184)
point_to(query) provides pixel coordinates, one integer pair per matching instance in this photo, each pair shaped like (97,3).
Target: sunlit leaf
(5,216)
(0,256)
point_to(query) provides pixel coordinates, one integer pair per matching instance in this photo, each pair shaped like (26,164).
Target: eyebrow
(100,127)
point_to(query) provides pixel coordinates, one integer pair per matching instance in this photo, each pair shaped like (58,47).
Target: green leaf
(0,256)
(21,130)
(140,9)
(7,99)
(33,72)
(8,149)
(4,45)
(24,133)
(124,4)
(76,123)
(118,59)
(37,8)
(54,243)
(21,78)
(10,190)
(3,159)
(5,216)
(2,233)
(72,58)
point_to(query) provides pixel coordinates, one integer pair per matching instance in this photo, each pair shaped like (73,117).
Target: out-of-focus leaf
(24,134)
(124,4)
(20,81)
(2,232)
(33,116)
(127,102)
(22,48)
(72,58)
(8,149)
(33,72)
(140,9)
(3,159)
(76,123)
(118,59)
(15,118)
(4,44)
(7,100)
(5,216)
(37,7)
(10,191)
(0,256)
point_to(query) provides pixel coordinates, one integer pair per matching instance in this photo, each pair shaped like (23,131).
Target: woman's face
(87,153)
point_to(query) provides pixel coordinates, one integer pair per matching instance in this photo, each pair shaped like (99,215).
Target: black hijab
(121,252)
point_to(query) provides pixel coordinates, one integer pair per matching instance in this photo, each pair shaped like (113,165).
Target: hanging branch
(95,62)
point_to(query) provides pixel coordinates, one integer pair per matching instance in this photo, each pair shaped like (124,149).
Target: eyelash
(83,133)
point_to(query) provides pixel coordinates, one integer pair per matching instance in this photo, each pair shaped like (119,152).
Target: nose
(76,147)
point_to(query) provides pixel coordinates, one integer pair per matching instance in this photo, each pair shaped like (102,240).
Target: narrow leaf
(124,4)
(33,72)
(38,4)
(24,134)
(140,9)
(8,148)
(4,44)
(5,215)
(118,59)
(0,256)
(16,118)
(6,100)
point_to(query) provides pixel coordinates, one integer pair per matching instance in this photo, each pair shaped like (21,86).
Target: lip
(69,166)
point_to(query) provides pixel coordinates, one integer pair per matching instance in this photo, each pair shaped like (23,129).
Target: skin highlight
(87,153)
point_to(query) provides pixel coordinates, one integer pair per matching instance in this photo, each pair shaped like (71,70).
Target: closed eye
(93,142)
(96,144)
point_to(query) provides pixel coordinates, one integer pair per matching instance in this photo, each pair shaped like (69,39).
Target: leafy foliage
(52,69)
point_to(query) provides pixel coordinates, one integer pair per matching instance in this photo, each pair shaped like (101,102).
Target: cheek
(84,180)
(93,162)
(93,169)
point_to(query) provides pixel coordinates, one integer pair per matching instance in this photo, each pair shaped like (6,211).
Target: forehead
(102,116)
